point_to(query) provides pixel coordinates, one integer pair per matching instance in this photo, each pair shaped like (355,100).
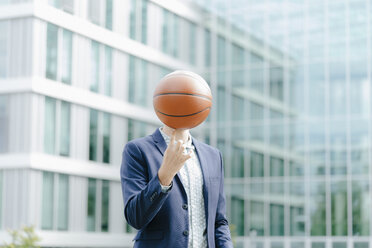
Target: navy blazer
(162,218)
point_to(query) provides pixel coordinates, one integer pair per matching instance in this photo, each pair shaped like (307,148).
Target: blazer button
(186,233)
(184,206)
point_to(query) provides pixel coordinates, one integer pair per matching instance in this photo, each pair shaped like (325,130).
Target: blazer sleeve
(222,231)
(143,197)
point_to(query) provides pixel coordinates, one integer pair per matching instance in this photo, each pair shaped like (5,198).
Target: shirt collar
(167,138)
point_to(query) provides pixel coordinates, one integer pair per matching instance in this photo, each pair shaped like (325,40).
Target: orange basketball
(182,99)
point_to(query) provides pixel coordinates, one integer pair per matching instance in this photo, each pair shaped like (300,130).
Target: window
(221,104)
(94,69)
(101,68)
(192,43)
(221,60)
(237,166)
(137,77)
(170,31)
(256,72)
(339,208)
(207,48)
(361,205)
(100,12)
(257,218)
(237,215)
(238,70)
(99,136)
(138,20)
(297,225)
(98,205)
(276,220)
(65,5)
(276,167)
(318,208)
(57,127)
(276,83)
(4,120)
(52,51)
(58,54)
(257,164)
(91,211)
(105,205)
(136,129)
(55,201)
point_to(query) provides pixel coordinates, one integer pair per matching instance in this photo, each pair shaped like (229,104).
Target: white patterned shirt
(192,180)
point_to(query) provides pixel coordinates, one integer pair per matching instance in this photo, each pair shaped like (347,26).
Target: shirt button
(186,233)
(184,206)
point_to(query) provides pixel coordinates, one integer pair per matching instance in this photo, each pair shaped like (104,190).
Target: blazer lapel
(159,141)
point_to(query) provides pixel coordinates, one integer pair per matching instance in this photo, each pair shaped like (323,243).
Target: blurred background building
(291,81)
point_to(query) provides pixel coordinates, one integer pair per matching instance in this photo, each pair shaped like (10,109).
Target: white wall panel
(15,198)
(19,126)
(20,47)
(119,136)
(78,195)
(120,75)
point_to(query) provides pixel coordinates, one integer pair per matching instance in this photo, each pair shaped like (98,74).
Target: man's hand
(173,160)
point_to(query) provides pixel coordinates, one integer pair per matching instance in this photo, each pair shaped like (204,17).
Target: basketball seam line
(190,94)
(184,115)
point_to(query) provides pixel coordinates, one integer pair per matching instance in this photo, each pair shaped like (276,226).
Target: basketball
(182,99)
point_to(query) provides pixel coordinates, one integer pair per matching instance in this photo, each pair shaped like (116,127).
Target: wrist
(164,179)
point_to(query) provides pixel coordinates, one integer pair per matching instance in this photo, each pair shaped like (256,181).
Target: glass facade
(58,54)
(293,101)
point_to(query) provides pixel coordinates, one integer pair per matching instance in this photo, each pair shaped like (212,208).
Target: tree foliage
(24,238)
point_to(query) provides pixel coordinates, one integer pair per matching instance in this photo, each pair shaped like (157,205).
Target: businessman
(173,191)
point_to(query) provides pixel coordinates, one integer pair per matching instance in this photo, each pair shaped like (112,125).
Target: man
(174,197)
